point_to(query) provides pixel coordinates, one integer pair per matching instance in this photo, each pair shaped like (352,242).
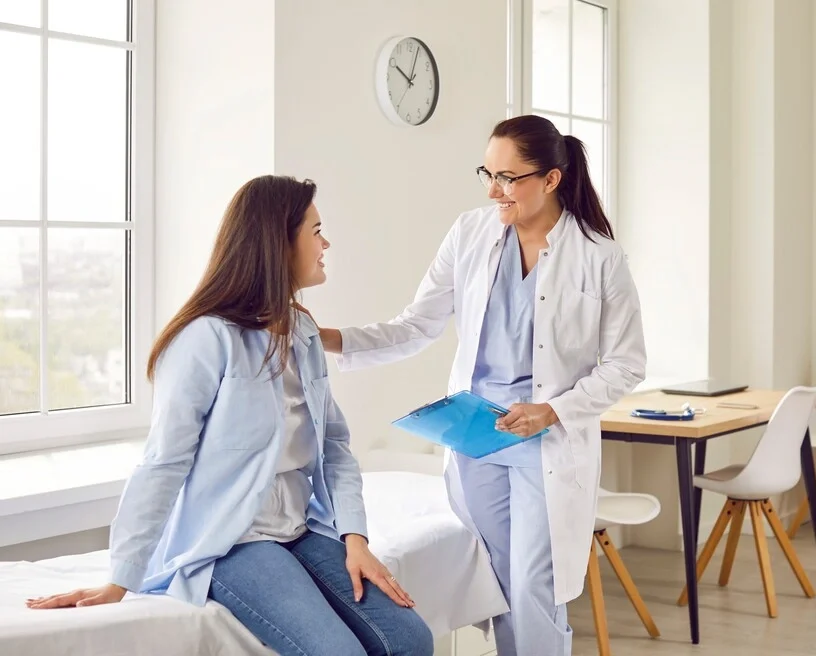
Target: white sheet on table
(412,531)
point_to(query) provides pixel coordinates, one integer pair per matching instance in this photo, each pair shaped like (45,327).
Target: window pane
(20,12)
(86,347)
(588,53)
(105,19)
(20,127)
(593,136)
(19,320)
(87,123)
(561,123)
(550,55)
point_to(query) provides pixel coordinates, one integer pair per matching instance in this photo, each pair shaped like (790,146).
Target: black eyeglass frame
(509,179)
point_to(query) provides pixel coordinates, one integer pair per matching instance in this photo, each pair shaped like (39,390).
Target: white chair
(773,468)
(615,508)
(799,518)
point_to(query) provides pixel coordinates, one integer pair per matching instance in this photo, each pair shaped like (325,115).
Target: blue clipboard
(463,422)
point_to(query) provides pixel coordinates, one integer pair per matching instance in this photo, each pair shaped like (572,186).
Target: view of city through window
(64,204)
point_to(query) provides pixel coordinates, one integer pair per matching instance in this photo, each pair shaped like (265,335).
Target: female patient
(248,493)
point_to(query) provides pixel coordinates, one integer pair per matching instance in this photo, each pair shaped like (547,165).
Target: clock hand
(403,96)
(410,82)
(413,66)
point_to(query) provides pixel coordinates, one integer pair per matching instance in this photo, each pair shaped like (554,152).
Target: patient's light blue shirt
(504,362)
(212,454)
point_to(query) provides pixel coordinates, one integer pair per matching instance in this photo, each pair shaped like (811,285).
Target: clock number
(427,101)
(408,117)
(419,115)
(427,66)
(430,84)
(399,49)
(410,46)
(392,62)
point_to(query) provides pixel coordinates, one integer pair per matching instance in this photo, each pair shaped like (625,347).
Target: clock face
(408,81)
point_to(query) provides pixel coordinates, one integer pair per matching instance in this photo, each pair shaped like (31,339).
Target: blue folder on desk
(464,422)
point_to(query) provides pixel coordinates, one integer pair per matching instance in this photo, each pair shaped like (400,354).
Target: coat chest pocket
(579,320)
(243,416)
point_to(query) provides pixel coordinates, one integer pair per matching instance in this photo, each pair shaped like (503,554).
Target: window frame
(520,80)
(46,429)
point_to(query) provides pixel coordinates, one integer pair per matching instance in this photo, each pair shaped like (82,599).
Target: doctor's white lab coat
(588,352)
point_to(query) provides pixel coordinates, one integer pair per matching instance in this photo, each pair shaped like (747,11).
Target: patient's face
(523,200)
(309,246)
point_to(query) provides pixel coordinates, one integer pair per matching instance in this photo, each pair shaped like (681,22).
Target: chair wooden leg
(711,544)
(628,584)
(755,508)
(787,548)
(738,515)
(801,513)
(598,607)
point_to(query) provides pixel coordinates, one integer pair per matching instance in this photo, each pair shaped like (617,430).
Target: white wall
(387,194)
(214,127)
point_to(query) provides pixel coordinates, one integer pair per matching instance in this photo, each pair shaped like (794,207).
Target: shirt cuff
(352,522)
(127,575)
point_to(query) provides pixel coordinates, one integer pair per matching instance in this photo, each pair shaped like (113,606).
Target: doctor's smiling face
(522,191)
(307,257)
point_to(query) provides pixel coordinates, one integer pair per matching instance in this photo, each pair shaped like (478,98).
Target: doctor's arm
(414,329)
(622,352)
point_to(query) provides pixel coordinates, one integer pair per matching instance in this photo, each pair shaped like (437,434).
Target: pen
(739,406)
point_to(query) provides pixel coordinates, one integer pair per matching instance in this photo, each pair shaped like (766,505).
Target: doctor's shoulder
(478,221)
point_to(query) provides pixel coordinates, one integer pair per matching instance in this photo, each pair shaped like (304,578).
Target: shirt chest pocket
(244,415)
(578,320)
(319,400)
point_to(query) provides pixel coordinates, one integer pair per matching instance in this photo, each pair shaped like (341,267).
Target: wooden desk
(617,424)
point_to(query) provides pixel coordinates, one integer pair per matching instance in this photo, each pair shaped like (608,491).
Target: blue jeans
(297,598)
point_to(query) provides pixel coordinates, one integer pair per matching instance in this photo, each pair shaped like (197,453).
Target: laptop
(708,387)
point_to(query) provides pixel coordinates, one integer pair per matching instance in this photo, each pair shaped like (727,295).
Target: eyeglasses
(504,181)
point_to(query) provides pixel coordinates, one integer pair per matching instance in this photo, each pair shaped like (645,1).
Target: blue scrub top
(504,363)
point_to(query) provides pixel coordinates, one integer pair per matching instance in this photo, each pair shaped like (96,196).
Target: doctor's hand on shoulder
(527,419)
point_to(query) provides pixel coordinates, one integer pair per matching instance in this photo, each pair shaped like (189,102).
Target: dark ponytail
(542,145)
(577,194)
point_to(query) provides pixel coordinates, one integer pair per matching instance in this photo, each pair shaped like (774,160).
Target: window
(76,202)
(561,65)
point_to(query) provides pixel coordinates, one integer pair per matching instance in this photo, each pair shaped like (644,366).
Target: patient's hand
(362,564)
(107,594)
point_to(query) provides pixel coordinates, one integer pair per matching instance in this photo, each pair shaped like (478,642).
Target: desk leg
(683,447)
(699,470)
(809,476)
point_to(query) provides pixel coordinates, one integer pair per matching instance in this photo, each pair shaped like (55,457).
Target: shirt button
(541,346)
(546,253)
(541,298)
(315,422)
(539,385)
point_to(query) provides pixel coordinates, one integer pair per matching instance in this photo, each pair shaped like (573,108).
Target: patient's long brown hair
(249,279)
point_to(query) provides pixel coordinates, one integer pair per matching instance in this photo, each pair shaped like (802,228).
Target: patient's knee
(410,636)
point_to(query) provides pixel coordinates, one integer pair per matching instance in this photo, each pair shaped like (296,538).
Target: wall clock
(407,81)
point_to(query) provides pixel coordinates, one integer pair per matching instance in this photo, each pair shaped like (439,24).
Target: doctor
(549,326)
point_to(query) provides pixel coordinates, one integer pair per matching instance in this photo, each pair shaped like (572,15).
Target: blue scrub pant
(509,508)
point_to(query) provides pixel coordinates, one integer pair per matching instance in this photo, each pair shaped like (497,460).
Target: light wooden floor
(733,620)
